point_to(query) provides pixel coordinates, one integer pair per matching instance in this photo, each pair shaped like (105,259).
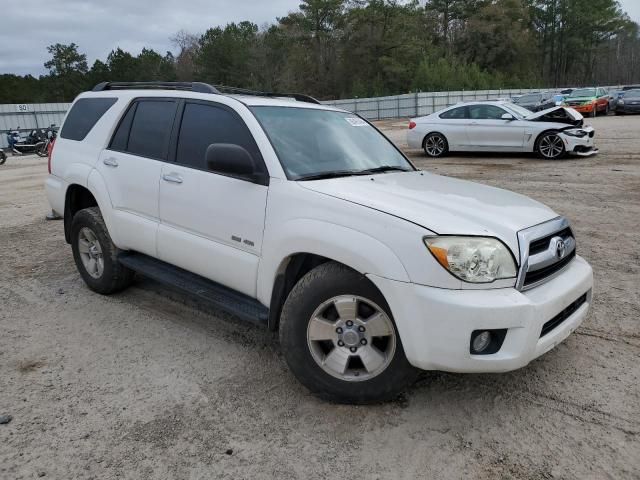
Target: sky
(98,27)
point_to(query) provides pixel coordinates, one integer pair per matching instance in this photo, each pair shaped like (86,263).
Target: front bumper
(582,146)
(435,324)
(589,108)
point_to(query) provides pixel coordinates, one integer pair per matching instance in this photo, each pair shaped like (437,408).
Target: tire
(435,145)
(309,336)
(550,146)
(90,240)
(594,112)
(606,110)
(41,150)
(3,157)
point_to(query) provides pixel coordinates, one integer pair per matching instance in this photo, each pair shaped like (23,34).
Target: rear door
(131,168)
(489,132)
(211,224)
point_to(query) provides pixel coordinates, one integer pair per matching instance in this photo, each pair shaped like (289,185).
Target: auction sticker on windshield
(355,121)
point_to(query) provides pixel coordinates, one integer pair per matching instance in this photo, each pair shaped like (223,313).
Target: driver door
(487,131)
(211,224)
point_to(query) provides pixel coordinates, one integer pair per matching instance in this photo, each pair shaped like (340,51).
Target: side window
(121,137)
(486,112)
(151,128)
(83,116)
(203,125)
(456,113)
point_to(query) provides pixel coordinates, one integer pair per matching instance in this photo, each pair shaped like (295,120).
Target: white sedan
(499,126)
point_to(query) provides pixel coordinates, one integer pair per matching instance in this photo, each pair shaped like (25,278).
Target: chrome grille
(545,250)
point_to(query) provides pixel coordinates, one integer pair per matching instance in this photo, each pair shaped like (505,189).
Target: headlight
(620,102)
(473,259)
(575,132)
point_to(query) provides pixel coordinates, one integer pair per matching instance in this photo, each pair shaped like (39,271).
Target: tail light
(49,153)
(412,124)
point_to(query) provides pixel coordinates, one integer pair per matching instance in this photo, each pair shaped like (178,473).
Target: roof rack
(189,86)
(200,88)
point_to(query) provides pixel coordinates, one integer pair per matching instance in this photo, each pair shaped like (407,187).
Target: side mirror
(234,161)
(507,116)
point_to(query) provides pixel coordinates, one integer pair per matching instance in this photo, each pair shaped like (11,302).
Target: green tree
(67,70)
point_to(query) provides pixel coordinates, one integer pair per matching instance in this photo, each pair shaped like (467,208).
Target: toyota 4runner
(305,219)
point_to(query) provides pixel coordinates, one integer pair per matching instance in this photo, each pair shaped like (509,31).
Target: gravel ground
(145,384)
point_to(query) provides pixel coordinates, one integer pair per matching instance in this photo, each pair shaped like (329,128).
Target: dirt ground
(146,384)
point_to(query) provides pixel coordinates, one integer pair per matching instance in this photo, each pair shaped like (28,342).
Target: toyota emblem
(560,247)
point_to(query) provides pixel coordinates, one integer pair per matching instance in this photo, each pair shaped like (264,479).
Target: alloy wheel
(435,145)
(551,146)
(90,252)
(351,338)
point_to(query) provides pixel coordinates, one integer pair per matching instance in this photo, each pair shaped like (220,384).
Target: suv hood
(443,205)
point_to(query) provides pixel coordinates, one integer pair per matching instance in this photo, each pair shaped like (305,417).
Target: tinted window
(151,128)
(121,137)
(203,125)
(84,114)
(456,113)
(486,112)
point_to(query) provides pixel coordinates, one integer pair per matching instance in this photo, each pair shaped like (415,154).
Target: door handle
(110,162)
(172,178)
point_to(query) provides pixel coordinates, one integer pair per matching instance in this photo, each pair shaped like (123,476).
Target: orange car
(588,101)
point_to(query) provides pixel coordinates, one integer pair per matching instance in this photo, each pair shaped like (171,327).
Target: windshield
(584,92)
(631,94)
(310,142)
(519,111)
(529,98)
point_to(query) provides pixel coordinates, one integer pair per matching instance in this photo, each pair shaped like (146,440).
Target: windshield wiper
(332,174)
(384,168)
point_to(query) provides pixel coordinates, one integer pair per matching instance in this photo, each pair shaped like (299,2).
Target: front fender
(350,247)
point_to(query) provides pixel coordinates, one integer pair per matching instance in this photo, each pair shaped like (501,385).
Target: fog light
(481,342)
(487,342)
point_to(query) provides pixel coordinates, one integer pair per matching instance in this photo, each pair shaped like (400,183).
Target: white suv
(305,219)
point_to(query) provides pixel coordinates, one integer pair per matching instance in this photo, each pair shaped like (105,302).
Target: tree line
(361,48)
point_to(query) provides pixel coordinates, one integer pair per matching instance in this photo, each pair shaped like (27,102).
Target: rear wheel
(3,157)
(41,149)
(95,254)
(550,146)
(435,145)
(339,339)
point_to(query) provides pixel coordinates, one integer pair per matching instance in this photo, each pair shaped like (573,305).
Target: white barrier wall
(29,116)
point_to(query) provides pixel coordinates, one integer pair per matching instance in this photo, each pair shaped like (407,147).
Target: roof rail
(189,86)
(199,87)
(245,91)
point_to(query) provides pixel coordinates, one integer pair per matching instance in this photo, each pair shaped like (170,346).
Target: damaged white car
(499,126)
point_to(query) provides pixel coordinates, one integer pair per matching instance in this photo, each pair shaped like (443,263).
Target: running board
(213,293)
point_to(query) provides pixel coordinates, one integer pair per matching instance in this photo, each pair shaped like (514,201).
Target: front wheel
(41,149)
(3,157)
(550,146)
(95,254)
(339,339)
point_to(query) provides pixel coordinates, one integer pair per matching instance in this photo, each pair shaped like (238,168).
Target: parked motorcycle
(48,137)
(31,144)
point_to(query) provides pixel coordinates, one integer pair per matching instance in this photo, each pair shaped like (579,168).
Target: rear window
(84,114)
(456,113)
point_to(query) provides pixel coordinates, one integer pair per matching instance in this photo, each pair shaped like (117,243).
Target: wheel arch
(439,132)
(537,140)
(302,244)
(77,197)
